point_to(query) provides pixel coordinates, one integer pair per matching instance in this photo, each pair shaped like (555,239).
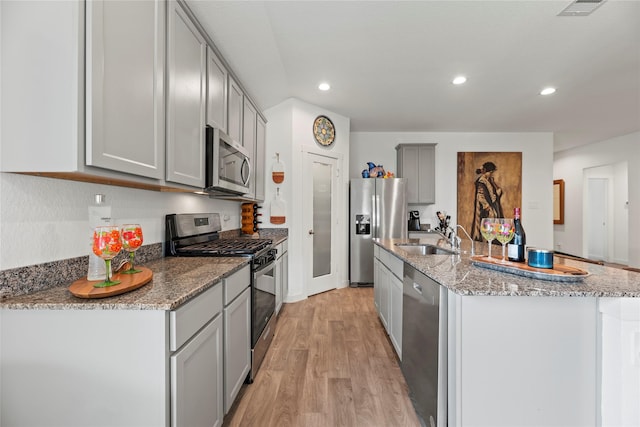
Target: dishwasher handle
(417,288)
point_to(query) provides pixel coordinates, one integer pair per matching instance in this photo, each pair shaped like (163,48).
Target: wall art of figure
(489,186)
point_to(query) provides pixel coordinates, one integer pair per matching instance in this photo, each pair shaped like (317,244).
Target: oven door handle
(264,269)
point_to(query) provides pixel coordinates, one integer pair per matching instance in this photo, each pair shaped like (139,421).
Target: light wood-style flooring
(330,364)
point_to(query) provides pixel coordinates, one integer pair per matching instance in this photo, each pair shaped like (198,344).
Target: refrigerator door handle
(376,216)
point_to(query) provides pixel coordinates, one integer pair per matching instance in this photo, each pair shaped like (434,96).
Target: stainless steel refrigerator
(377,209)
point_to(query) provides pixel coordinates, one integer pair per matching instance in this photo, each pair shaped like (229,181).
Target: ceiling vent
(581,7)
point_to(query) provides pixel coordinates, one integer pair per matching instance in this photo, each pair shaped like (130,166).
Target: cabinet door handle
(311,232)
(418,288)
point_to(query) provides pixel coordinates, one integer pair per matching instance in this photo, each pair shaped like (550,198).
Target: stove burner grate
(228,246)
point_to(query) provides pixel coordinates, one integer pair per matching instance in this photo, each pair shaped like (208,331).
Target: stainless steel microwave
(228,166)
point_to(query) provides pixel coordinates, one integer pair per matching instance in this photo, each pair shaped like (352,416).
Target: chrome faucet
(455,240)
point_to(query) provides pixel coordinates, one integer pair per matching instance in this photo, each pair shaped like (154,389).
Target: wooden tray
(559,272)
(83,288)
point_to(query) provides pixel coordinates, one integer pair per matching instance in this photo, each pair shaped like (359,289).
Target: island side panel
(524,360)
(84,367)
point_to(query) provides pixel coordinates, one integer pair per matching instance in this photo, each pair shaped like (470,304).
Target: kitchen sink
(424,249)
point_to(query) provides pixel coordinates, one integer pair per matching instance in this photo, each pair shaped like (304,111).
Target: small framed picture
(558,201)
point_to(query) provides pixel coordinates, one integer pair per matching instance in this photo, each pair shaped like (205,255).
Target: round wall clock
(323,131)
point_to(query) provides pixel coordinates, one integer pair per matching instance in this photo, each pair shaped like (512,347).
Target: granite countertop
(175,281)
(277,235)
(457,273)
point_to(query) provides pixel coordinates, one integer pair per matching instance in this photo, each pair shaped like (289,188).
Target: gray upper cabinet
(417,162)
(259,162)
(186,60)
(125,86)
(249,120)
(136,85)
(236,107)
(217,76)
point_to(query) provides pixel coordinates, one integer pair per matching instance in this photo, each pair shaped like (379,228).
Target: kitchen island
(459,275)
(146,358)
(516,350)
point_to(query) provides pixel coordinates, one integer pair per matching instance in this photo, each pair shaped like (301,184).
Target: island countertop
(457,273)
(175,281)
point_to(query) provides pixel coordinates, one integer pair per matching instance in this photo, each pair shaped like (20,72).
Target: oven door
(263,299)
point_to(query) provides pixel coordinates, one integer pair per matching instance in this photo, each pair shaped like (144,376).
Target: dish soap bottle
(99,215)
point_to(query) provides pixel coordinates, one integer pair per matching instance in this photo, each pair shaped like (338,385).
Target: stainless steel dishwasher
(424,346)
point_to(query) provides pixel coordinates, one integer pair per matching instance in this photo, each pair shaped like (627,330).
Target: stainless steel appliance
(228,166)
(424,346)
(197,235)
(414,221)
(378,209)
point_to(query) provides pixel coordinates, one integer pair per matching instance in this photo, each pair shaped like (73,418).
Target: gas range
(197,235)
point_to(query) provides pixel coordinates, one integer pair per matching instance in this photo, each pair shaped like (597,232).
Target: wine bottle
(516,245)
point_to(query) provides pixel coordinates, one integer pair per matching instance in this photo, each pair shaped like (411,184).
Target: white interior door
(320,200)
(597,205)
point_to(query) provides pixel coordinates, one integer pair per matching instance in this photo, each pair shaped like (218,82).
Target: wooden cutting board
(278,209)
(83,288)
(559,272)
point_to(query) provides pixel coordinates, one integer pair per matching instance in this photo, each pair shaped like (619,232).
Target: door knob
(311,232)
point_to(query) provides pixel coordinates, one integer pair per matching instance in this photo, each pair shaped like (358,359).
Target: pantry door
(320,238)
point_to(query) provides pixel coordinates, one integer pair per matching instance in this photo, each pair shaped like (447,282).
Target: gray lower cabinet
(125,367)
(281,274)
(196,379)
(237,333)
(376,283)
(382,287)
(186,69)
(395,315)
(125,52)
(387,288)
(417,163)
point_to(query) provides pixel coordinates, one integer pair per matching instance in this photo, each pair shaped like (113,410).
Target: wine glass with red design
(106,245)
(131,235)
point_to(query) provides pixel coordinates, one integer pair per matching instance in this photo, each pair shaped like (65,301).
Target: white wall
(570,166)
(46,219)
(537,170)
(289,130)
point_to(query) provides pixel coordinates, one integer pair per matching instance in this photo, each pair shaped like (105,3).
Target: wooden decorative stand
(84,288)
(559,272)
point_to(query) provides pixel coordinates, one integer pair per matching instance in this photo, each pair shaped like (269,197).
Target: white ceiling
(390,63)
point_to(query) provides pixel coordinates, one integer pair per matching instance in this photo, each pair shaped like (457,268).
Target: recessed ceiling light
(324,86)
(459,80)
(547,91)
